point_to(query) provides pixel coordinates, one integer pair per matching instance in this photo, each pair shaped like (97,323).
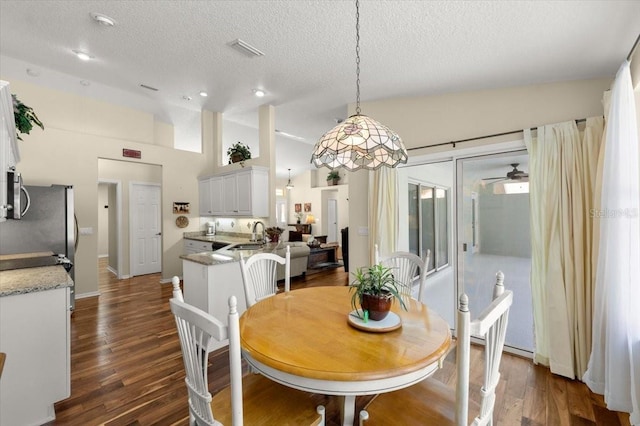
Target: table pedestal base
(348,410)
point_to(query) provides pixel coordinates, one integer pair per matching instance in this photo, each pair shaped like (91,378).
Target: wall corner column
(212,140)
(267,158)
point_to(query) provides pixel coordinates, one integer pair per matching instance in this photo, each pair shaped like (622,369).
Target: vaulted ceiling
(408,48)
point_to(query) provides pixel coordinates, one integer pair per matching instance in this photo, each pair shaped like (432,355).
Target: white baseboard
(86,295)
(113,271)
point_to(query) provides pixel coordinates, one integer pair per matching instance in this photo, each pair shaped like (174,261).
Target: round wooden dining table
(303,339)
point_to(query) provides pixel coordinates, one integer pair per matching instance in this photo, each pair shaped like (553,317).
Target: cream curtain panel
(383,211)
(562,171)
(614,366)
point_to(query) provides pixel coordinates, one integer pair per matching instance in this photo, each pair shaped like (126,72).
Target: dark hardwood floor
(126,367)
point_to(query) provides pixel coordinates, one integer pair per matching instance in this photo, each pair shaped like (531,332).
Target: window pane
(428,224)
(442,203)
(414,212)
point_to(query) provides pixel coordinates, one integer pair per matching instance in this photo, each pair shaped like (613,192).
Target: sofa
(299,255)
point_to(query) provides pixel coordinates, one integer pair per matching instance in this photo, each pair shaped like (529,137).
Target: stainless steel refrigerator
(47,226)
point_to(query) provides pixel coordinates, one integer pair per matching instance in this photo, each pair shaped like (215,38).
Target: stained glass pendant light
(359,142)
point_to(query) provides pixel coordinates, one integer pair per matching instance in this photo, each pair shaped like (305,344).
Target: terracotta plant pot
(377,305)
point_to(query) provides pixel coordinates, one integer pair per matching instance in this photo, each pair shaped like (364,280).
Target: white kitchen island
(209,281)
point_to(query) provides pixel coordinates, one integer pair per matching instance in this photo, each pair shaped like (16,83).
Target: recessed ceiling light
(103,19)
(85,83)
(83,55)
(259,93)
(204,94)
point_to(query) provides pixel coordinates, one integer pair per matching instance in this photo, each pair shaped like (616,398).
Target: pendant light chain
(357,57)
(359,142)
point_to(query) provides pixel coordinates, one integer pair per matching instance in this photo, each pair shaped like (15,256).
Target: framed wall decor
(298,207)
(181,207)
(307,207)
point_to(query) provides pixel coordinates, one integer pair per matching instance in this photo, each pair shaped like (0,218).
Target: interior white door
(332,220)
(146,229)
(281,212)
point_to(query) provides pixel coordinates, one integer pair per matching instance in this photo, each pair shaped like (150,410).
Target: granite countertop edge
(31,280)
(217,257)
(207,258)
(220,238)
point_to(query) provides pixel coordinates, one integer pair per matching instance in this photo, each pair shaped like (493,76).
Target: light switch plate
(86,231)
(363,230)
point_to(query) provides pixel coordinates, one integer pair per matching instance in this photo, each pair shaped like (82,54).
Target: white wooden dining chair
(432,402)
(253,399)
(407,268)
(259,275)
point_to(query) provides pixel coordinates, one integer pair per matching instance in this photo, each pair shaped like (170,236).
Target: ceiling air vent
(144,86)
(245,48)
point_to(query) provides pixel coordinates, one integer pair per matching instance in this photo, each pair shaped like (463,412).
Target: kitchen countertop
(30,280)
(226,256)
(200,236)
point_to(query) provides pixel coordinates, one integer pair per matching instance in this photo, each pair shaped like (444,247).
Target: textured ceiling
(408,48)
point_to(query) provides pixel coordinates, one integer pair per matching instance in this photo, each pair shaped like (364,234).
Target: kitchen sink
(247,246)
(217,245)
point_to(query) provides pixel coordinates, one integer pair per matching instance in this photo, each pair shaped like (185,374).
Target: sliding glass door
(493,235)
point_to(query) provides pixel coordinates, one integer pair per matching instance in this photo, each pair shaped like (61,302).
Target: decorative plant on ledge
(24,117)
(238,152)
(333,178)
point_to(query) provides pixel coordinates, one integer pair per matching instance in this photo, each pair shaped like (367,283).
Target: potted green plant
(24,117)
(333,178)
(374,289)
(238,152)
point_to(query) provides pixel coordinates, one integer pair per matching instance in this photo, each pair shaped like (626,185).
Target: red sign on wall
(131,153)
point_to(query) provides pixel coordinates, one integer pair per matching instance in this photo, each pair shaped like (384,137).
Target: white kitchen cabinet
(208,287)
(240,193)
(204,197)
(210,193)
(35,330)
(230,195)
(216,192)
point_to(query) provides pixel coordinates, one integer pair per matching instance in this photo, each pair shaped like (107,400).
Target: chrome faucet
(253,231)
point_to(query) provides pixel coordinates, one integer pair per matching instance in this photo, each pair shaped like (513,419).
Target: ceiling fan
(514,174)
